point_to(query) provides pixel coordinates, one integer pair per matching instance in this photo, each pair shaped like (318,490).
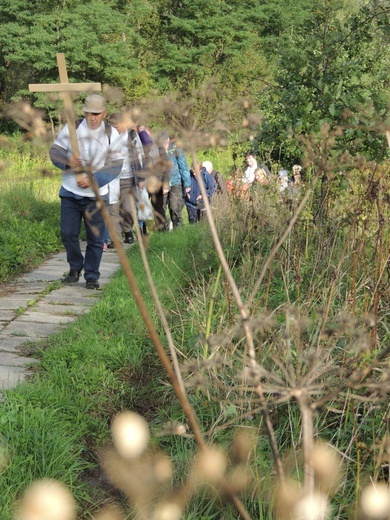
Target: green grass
(29,210)
(54,425)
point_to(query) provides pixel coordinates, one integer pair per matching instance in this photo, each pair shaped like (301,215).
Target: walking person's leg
(116,220)
(127,187)
(71,214)
(94,226)
(192,214)
(176,204)
(158,204)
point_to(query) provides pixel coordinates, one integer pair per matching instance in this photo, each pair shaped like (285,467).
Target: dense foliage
(300,63)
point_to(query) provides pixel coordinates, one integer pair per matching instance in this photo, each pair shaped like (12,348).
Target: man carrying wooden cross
(100,152)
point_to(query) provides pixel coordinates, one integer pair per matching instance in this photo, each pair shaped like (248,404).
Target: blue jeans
(73,211)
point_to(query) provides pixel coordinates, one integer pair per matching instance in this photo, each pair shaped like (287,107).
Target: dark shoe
(91,283)
(72,278)
(110,245)
(129,238)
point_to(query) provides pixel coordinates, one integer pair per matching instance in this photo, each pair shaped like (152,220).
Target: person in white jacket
(102,154)
(124,186)
(251,167)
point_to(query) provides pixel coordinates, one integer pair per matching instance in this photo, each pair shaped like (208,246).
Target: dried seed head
(47,500)
(162,466)
(239,478)
(210,465)
(154,184)
(369,321)
(326,466)
(286,498)
(111,512)
(375,501)
(167,511)
(130,433)
(181,429)
(243,444)
(313,506)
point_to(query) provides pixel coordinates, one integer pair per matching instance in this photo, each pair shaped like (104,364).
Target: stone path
(36,306)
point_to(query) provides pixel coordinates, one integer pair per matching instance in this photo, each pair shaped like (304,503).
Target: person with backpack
(124,186)
(220,183)
(102,155)
(157,175)
(194,199)
(179,180)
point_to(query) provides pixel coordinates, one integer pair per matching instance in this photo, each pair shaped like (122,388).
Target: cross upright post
(66,90)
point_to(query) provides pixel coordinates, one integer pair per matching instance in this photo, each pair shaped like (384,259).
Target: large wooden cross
(66,90)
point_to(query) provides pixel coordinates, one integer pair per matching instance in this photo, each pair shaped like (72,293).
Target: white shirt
(95,150)
(249,173)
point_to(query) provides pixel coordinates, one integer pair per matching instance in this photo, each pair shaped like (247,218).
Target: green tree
(200,40)
(336,62)
(100,43)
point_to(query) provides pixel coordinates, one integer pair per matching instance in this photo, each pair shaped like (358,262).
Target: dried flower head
(47,500)
(313,506)
(326,466)
(242,446)
(210,466)
(111,512)
(130,434)
(167,511)
(286,499)
(375,501)
(154,184)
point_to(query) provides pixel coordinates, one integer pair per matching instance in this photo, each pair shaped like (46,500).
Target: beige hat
(95,104)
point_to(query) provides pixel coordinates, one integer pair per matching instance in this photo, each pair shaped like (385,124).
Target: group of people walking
(160,173)
(125,162)
(242,183)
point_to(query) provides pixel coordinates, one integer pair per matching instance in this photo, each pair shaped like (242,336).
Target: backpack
(136,153)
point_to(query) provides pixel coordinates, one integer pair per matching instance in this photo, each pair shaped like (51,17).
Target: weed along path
(37,305)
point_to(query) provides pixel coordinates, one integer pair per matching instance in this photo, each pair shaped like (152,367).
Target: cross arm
(64,87)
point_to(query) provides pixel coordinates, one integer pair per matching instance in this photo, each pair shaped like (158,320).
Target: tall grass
(29,208)
(52,426)
(277,312)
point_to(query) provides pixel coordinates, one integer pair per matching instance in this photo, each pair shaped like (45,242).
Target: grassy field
(283,354)
(29,208)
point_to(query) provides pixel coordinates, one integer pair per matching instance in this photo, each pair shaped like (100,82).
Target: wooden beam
(66,90)
(64,87)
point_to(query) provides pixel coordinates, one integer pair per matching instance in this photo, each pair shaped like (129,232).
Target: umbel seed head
(130,433)
(47,500)
(375,501)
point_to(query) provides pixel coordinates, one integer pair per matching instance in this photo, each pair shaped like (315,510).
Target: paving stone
(31,330)
(29,288)
(70,296)
(16,301)
(58,309)
(8,359)
(11,343)
(41,317)
(6,315)
(31,310)
(11,376)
